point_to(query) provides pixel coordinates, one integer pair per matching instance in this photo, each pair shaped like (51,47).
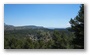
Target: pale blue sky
(46,15)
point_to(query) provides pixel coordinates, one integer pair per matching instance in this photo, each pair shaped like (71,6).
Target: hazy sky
(47,15)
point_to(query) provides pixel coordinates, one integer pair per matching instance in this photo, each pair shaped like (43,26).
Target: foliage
(37,39)
(77,25)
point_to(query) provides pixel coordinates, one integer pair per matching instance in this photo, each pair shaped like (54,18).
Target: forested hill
(36,37)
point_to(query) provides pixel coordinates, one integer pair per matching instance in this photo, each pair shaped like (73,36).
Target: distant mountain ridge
(11,27)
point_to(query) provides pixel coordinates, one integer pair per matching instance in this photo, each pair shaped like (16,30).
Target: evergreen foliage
(77,25)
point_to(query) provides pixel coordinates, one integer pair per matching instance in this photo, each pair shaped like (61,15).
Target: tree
(58,40)
(77,25)
(28,44)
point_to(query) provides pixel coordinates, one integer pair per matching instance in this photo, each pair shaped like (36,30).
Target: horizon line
(34,25)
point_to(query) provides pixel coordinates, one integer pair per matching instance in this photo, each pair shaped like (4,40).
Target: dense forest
(35,37)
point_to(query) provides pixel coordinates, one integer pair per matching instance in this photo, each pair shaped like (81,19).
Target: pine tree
(77,25)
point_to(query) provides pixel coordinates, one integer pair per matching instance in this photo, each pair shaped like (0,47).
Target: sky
(46,15)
